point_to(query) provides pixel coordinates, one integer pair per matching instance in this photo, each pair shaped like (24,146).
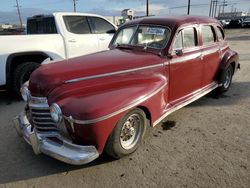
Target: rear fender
(229,58)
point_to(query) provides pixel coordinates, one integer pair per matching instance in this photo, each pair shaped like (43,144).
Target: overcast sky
(8,13)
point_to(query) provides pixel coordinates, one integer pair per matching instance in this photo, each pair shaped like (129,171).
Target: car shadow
(7,98)
(36,166)
(238,91)
(18,162)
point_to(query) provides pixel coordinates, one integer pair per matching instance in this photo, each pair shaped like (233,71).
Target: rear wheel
(21,75)
(127,135)
(226,80)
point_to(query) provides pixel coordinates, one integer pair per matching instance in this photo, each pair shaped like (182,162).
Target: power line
(185,6)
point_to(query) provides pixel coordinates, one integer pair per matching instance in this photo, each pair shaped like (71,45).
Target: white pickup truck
(51,37)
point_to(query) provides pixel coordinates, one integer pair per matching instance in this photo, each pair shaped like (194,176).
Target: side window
(208,34)
(101,26)
(220,33)
(189,37)
(178,41)
(186,38)
(49,25)
(77,24)
(41,25)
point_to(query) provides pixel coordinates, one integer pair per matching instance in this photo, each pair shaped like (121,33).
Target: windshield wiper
(125,46)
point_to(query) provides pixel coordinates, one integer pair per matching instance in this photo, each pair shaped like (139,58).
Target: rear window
(41,25)
(77,24)
(208,34)
(220,33)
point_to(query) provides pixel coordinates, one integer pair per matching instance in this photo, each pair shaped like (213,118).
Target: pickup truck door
(79,39)
(185,71)
(104,31)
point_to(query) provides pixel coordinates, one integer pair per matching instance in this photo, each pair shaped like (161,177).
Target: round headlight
(56,113)
(25,93)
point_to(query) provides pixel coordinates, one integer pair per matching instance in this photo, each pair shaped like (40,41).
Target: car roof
(172,21)
(66,14)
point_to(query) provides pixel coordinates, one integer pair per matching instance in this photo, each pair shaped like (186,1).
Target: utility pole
(224,4)
(74,1)
(215,11)
(147,8)
(19,13)
(188,7)
(219,13)
(210,9)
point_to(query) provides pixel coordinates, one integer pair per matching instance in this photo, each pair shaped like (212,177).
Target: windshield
(145,36)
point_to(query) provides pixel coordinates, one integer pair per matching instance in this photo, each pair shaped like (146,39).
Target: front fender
(91,112)
(101,104)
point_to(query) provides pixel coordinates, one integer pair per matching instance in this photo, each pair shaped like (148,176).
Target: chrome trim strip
(197,94)
(37,113)
(70,119)
(113,73)
(210,51)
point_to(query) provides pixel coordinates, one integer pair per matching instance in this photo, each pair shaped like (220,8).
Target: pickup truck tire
(22,74)
(127,134)
(225,80)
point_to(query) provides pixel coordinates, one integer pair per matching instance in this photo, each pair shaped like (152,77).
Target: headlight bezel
(55,113)
(25,93)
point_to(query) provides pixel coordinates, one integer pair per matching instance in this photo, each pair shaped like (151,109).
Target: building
(127,14)
(6,26)
(117,20)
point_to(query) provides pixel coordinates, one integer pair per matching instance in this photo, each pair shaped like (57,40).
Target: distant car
(246,22)
(236,23)
(224,23)
(78,108)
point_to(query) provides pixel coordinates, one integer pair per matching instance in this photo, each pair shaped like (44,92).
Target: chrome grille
(41,118)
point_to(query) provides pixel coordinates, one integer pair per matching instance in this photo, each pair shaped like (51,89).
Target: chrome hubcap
(227,79)
(130,132)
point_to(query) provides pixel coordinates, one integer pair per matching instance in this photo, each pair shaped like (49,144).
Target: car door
(185,71)
(79,38)
(104,31)
(211,54)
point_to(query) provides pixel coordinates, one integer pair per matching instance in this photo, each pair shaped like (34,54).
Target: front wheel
(21,75)
(127,135)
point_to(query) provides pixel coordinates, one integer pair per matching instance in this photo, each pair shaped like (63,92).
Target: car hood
(48,77)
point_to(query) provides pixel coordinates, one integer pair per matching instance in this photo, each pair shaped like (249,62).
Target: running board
(197,94)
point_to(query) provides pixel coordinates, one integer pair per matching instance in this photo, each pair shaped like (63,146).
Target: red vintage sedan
(77,108)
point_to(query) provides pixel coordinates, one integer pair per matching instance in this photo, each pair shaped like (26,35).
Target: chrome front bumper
(64,150)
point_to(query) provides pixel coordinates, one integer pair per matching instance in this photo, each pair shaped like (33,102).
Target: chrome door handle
(201,56)
(102,39)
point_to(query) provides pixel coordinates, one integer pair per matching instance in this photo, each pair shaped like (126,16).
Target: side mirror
(178,52)
(112,31)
